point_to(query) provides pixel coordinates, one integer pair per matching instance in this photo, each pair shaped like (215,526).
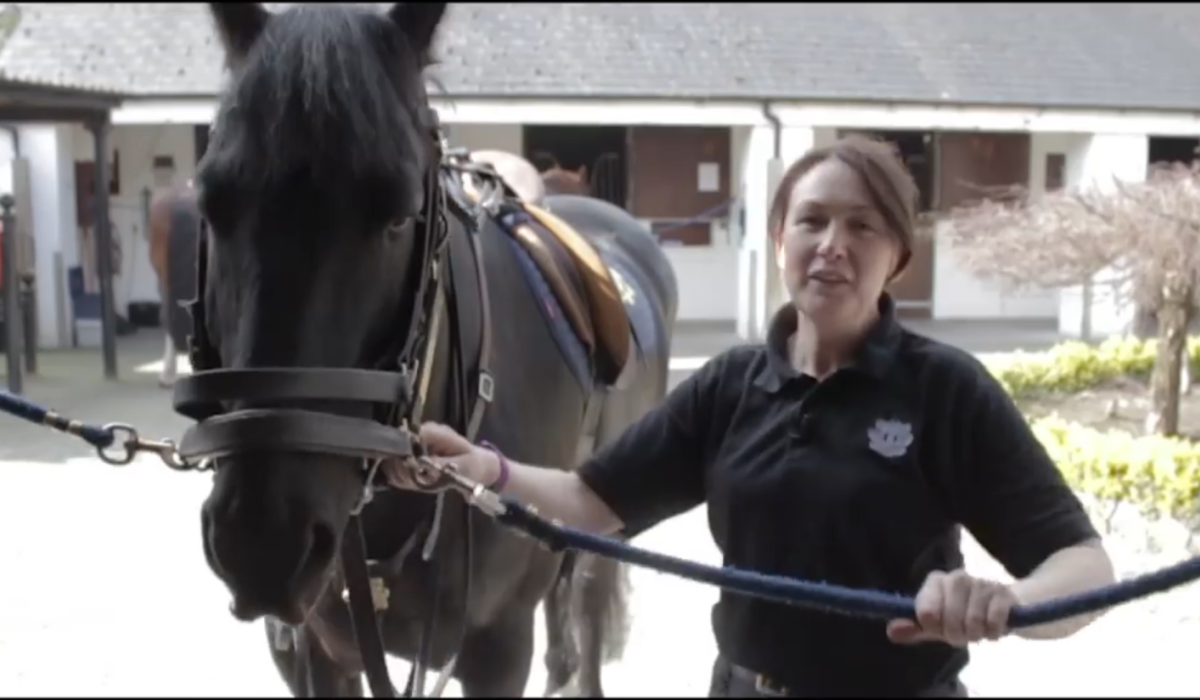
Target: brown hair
(891,187)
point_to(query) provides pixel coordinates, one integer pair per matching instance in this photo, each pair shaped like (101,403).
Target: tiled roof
(12,31)
(1120,55)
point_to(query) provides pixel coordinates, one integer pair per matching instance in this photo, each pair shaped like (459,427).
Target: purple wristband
(502,480)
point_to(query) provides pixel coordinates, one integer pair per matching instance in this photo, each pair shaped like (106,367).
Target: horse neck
(561,184)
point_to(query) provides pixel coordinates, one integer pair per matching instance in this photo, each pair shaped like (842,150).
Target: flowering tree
(1146,234)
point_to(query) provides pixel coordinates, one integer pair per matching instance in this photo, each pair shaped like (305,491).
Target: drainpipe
(773,292)
(769,114)
(16,138)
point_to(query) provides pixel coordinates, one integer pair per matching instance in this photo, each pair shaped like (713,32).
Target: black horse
(315,188)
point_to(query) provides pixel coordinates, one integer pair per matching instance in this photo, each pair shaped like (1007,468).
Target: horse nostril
(315,559)
(324,545)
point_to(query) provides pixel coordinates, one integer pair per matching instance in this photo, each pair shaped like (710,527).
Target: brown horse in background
(559,180)
(523,178)
(170,208)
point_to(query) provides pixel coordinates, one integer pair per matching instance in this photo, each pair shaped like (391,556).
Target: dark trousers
(732,681)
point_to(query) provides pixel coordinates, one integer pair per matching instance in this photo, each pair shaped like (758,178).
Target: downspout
(768,111)
(16,138)
(773,293)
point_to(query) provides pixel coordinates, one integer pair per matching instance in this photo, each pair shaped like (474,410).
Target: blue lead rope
(94,435)
(809,594)
(828,597)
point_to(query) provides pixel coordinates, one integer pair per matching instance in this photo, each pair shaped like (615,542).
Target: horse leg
(495,660)
(562,650)
(306,668)
(166,377)
(600,586)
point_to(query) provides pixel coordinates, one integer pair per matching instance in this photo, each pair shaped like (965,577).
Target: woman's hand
(957,609)
(445,446)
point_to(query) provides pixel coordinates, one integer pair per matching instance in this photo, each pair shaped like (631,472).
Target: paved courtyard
(106,592)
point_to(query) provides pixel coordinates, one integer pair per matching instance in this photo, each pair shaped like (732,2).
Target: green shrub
(1160,475)
(1075,366)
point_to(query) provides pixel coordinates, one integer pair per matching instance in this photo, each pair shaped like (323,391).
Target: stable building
(685,114)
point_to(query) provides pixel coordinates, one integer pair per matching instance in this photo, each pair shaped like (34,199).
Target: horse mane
(331,94)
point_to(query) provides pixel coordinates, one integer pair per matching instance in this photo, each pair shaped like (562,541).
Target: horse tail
(603,586)
(587,621)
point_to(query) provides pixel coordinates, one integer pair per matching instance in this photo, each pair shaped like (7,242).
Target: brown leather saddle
(595,307)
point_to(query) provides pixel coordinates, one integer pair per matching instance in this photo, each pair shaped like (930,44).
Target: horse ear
(582,173)
(419,22)
(544,161)
(239,24)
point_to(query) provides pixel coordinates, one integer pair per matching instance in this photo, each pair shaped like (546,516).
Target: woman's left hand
(957,609)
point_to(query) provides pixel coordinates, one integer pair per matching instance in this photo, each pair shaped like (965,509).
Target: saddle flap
(607,308)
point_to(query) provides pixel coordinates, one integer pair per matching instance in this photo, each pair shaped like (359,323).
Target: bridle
(397,389)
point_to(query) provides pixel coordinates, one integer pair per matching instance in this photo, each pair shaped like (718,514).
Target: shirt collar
(875,356)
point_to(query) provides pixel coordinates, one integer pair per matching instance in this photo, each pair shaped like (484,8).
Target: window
(1056,171)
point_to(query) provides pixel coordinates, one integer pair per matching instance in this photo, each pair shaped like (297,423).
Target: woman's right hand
(444,446)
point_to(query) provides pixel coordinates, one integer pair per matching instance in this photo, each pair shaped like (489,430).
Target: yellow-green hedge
(1074,366)
(1161,476)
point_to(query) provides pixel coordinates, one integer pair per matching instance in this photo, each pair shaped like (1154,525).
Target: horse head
(313,185)
(559,180)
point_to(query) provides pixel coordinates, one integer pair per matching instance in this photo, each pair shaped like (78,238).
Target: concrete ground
(106,591)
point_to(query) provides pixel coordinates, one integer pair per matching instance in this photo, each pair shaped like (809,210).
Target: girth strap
(592,411)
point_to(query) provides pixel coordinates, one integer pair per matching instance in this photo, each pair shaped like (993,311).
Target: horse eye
(397,226)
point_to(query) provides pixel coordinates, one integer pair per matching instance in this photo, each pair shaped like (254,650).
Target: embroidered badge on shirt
(890,438)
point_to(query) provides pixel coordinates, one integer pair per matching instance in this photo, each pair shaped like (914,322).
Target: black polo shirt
(861,480)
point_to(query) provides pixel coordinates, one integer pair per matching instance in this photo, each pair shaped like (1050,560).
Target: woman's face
(835,251)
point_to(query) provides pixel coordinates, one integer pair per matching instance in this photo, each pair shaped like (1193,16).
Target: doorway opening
(601,149)
(913,291)
(916,150)
(1172,149)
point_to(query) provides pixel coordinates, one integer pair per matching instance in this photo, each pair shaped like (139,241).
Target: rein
(396,387)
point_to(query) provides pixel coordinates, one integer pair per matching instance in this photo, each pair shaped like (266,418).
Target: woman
(845,449)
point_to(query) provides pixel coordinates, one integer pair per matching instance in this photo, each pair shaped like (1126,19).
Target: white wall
(47,149)
(959,294)
(478,137)
(759,288)
(833,115)
(708,282)
(1094,163)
